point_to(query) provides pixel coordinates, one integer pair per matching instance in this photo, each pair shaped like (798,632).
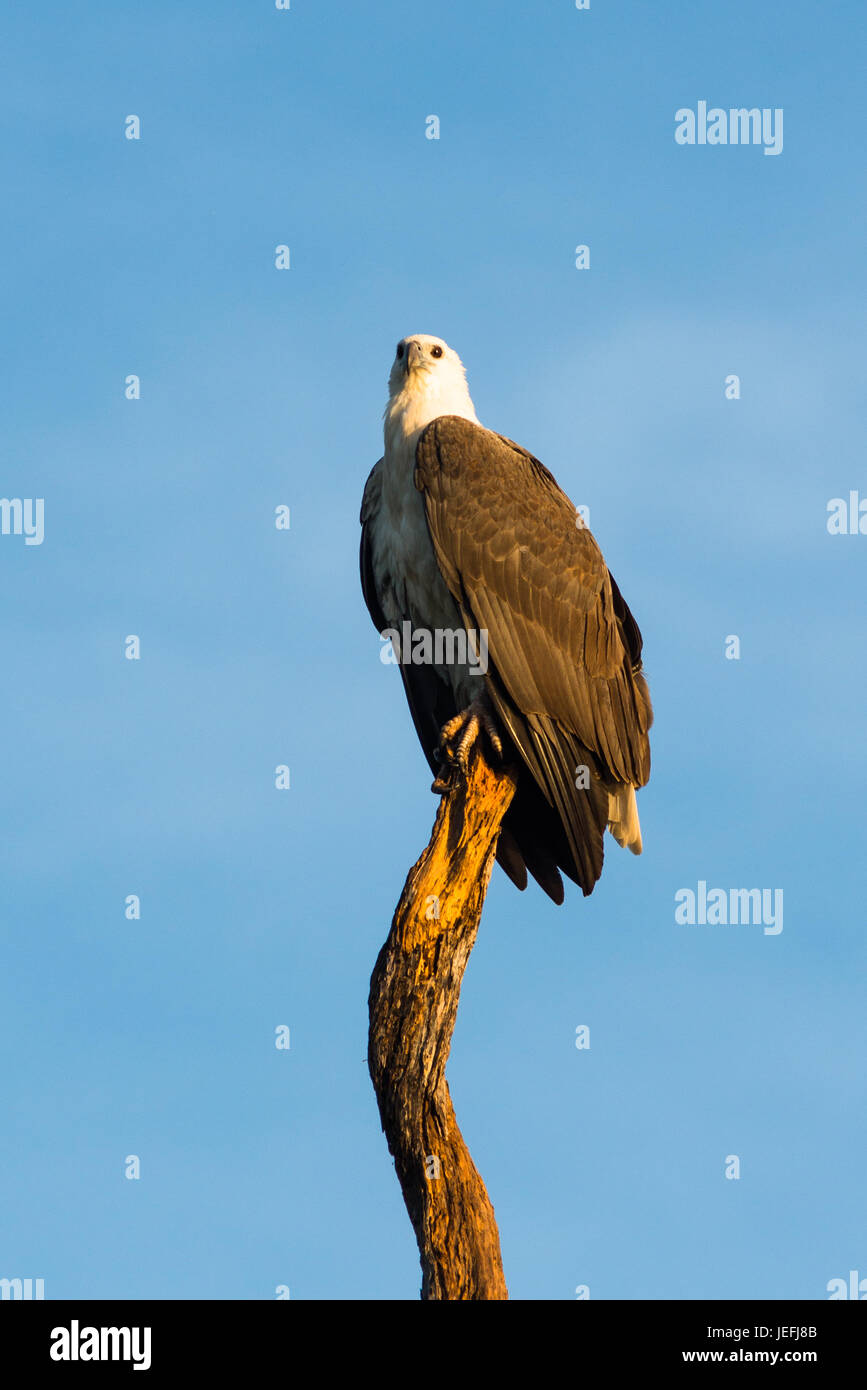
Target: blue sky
(260,387)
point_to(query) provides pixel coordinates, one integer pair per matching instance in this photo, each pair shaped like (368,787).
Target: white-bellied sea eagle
(463,531)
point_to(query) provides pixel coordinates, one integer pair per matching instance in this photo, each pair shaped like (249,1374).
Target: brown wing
(564,649)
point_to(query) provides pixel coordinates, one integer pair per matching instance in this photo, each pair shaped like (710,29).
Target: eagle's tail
(623,817)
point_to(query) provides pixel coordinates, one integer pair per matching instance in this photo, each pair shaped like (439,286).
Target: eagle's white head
(427,380)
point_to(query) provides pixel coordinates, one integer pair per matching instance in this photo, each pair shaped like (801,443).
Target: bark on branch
(414,992)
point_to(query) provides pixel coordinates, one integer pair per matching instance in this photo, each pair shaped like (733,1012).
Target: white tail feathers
(623,818)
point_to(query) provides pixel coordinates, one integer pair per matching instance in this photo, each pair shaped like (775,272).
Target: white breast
(409,582)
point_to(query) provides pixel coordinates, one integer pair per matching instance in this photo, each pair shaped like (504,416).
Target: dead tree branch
(414,993)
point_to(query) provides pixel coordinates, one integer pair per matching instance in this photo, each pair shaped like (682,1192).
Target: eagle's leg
(458,736)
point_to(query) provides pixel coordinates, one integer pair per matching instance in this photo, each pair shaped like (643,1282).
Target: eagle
(464,532)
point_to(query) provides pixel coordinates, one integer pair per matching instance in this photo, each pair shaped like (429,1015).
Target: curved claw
(461,733)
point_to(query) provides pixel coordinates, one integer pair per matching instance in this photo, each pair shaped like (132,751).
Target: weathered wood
(414,993)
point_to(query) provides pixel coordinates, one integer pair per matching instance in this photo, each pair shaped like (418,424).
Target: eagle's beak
(414,355)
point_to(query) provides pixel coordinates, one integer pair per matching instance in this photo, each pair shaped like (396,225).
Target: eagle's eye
(436,352)
(399,351)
